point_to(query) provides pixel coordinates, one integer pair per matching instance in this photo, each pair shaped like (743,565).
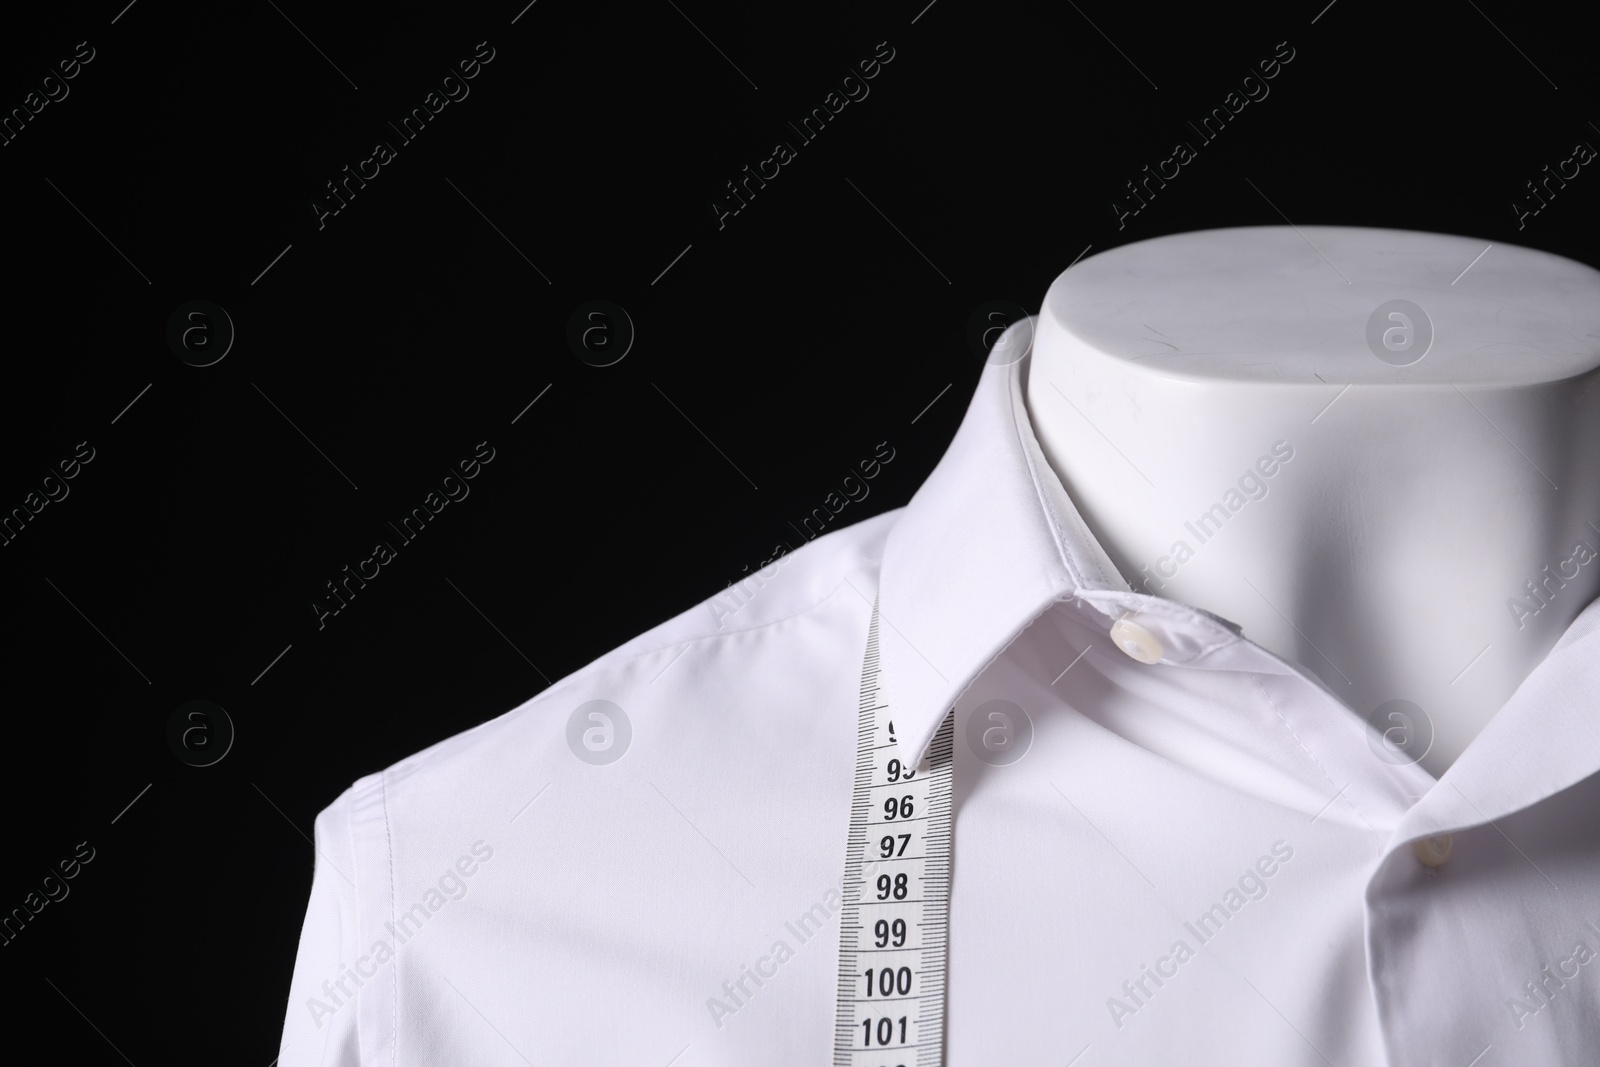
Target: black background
(822,319)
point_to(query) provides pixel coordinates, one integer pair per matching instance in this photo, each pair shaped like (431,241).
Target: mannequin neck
(1423,534)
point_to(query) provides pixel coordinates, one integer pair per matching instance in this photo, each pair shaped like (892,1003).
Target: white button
(1432,851)
(1136,641)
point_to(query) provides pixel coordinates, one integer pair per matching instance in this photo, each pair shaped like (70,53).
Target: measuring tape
(894,927)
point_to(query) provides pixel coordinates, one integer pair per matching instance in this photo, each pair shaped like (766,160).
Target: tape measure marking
(894,926)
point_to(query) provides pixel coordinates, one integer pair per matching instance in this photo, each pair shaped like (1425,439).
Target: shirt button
(1136,641)
(1432,851)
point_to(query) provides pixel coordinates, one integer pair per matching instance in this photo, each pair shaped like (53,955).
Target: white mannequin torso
(1404,528)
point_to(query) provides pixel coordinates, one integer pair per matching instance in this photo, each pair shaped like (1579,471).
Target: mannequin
(1405,503)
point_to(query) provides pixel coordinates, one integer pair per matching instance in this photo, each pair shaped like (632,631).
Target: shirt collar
(989,542)
(1545,738)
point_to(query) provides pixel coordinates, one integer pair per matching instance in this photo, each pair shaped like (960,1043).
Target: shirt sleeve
(321,1026)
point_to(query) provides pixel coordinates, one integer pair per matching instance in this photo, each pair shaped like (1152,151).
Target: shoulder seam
(605,662)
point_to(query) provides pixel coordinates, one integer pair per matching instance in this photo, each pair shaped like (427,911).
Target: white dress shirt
(1206,859)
